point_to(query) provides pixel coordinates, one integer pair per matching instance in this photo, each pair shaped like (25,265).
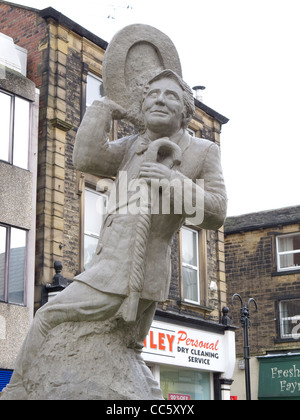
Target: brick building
(263,262)
(65,63)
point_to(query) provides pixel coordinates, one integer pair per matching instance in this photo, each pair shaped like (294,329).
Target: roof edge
(219,117)
(20,6)
(262,220)
(50,13)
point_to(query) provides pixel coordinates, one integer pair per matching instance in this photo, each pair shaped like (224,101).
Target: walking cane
(168,153)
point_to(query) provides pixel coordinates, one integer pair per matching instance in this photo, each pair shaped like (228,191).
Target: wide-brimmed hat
(134,55)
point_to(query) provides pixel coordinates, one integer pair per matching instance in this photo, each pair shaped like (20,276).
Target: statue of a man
(130,271)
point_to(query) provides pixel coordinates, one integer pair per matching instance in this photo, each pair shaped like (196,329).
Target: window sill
(13,304)
(6,162)
(191,305)
(284,273)
(286,340)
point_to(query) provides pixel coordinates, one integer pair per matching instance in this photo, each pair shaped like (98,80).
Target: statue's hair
(188,97)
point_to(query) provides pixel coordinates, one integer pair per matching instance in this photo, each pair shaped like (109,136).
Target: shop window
(14,130)
(288,252)
(289,314)
(178,383)
(193,265)
(94,89)
(95,206)
(12,264)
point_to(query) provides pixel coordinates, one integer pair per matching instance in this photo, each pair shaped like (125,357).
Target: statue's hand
(116,111)
(154,170)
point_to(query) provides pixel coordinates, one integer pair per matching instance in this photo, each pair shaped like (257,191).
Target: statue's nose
(160,98)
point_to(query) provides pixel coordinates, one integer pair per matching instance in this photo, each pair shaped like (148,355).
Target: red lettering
(170,339)
(217,345)
(182,337)
(152,345)
(162,345)
(197,343)
(166,341)
(161,341)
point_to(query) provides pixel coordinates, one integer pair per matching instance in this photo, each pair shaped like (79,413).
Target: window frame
(191,132)
(92,188)
(281,319)
(99,79)
(286,253)
(191,267)
(12,130)
(7,266)
(201,269)
(91,71)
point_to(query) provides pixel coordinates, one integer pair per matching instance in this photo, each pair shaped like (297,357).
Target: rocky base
(87,361)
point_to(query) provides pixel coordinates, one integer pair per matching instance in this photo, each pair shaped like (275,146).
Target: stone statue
(116,298)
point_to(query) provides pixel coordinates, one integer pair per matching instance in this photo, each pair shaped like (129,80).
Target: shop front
(191,363)
(279,377)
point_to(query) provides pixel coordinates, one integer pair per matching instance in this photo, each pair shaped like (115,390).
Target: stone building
(65,63)
(263,262)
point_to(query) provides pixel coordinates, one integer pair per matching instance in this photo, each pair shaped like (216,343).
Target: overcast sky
(246,53)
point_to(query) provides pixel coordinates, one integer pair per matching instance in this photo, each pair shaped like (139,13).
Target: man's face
(163,107)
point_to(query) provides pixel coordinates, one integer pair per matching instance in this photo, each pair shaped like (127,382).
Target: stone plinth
(89,361)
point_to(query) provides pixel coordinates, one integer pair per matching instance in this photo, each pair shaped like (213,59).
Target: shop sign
(181,397)
(279,377)
(188,347)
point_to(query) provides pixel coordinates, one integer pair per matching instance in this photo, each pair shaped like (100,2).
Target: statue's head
(168,100)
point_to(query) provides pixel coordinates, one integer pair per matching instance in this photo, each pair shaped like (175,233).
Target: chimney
(198,92)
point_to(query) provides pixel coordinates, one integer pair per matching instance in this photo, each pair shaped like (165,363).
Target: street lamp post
(245,321)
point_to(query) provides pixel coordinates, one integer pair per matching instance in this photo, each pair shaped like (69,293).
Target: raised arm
(93,152)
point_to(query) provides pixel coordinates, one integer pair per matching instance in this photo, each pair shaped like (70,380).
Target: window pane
(21,133)
(94,89)
(17,266)
(189,247)
(5,110)
(190,284)
(2,261)
(94,211)
(90,244)
(290,317)
(177,381)
(296,242)
(288,261)
(287,243)
(297,260)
